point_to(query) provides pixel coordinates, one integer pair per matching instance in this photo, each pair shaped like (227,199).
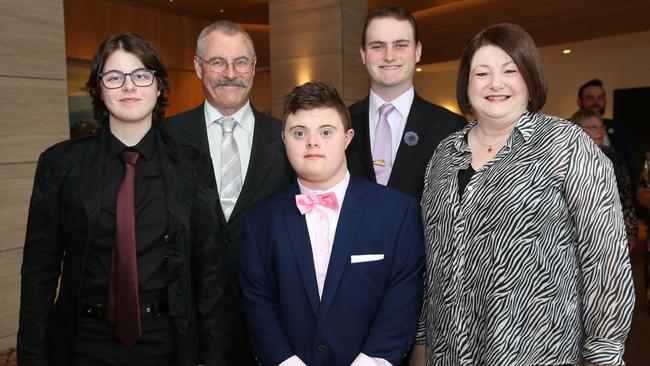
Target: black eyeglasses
(217,64)
(115,79)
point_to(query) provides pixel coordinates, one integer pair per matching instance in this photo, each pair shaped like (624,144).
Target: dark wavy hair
(519,45)
(312,95)
(146,53)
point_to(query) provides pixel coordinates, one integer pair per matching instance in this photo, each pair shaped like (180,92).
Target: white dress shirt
(315,219)
(243,134)
(396,120)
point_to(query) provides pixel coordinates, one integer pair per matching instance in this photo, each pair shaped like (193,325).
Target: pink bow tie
(307,202)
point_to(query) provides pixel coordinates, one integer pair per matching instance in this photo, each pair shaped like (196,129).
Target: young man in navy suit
(331,268)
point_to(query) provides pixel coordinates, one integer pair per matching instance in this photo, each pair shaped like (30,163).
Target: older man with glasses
(247,153)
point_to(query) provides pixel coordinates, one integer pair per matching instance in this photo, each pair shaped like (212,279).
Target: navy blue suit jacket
(371,307)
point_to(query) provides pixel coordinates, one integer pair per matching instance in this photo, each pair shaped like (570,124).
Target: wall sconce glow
(567,51)
(451,106)
(418,69)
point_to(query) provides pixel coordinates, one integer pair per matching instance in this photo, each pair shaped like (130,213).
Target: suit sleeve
(261,300)
(208,275)
(41,268)
(608,297)
(394,327)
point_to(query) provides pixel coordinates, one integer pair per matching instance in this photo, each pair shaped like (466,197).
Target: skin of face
(129,104)
(315,141)
(595,129)
(593,97)
(497,91)
(390,56)
(227,91)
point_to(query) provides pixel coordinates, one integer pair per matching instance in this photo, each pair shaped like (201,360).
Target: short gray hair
(226,27)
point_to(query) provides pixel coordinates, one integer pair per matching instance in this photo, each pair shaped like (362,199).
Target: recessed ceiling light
(220,10)
(418,69)
(566,51)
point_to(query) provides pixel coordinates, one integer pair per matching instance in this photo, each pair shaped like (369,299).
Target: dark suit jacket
(430,122)
(63,213)
(268,171)
(371,306)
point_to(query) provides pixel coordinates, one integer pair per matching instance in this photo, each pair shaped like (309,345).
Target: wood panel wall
(33,116)
(88,22)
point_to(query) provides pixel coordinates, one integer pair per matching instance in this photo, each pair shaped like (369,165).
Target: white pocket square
(366,258)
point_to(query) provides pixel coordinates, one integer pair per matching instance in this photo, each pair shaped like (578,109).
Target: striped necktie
(230,167)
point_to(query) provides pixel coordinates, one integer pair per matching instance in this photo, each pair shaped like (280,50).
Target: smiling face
(315,141)
(497,92)
(227,91)
(594,128)
(390,55)
(130,103)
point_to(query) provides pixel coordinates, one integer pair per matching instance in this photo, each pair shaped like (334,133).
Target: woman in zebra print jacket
(527,261)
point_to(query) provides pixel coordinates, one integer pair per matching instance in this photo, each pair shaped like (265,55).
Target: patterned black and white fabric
(531,266)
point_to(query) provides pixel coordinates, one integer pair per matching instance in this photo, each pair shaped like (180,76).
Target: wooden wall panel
(15,191)
(31,39)
(33,115)
(10,262)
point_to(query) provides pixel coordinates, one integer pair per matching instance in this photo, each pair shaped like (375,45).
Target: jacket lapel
(418,123)
(340,258)
(263,155)
(177,179)
(299,236)
(195,128)
(362,138)
(91,179)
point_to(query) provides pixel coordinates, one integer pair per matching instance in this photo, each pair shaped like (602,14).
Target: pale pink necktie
(307,202)
(382,152)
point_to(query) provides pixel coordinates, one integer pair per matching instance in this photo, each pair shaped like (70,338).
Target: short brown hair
(146,53)
(519,45)
(312,95)
(396,12)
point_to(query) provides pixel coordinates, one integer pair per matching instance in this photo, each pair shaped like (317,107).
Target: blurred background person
(527,260)
(122,219)
(643,198)
(592,123)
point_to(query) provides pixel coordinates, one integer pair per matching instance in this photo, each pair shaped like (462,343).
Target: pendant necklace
(489,146)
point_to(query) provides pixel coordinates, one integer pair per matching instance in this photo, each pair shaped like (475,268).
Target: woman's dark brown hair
(146,53)
(519,45)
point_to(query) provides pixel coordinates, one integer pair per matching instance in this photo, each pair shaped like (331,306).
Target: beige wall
(33,116)
(620,62)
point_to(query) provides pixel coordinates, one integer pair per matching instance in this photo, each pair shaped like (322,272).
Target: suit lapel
(418,123)
(91,178)
(345,232)
(299,236)
(263,155)
(177,179)
(360,123)
(195,128)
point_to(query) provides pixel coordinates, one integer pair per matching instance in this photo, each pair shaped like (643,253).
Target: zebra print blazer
(530,266)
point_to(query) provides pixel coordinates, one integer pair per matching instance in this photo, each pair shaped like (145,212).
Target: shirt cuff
(293,361)
(364,360)
(603,351)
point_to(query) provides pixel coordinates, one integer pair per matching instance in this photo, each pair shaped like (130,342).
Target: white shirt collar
(338,189)
(402,103)
(244,116)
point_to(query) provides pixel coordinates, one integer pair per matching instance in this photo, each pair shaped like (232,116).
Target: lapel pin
(411,138)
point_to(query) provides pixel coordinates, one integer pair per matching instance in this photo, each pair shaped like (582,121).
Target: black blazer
(431,123)
(268,171)
(63,213)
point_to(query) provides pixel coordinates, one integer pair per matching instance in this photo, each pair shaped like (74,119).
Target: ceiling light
(566,51)
(418,69)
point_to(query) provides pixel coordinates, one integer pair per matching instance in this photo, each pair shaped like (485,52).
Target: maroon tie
(123,308)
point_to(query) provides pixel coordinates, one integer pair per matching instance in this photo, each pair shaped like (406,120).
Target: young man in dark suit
(249,162)
(396,130)
(330,268)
